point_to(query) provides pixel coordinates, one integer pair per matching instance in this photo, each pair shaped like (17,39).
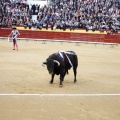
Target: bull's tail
(75,61)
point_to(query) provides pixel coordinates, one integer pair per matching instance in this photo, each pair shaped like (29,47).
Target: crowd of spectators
(103,15)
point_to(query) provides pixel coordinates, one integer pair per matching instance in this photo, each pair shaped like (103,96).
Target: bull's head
(50,63)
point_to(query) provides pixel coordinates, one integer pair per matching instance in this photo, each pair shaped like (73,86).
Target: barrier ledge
(43,40)
(3,37)
(51,40)
(95,43)
(61,41)
(112,44)
(69,41)
(33,39)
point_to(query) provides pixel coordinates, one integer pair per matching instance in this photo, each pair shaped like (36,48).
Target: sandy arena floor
(21,72)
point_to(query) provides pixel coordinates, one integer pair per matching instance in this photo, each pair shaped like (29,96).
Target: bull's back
(73,58)
(71,55)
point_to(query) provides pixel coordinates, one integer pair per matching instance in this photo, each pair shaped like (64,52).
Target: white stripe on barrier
(73,95)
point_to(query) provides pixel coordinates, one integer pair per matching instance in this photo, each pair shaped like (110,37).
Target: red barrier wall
(114,38)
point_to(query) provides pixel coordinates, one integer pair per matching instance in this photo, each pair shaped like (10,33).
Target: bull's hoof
(75,81)
(51,82)
(60,85)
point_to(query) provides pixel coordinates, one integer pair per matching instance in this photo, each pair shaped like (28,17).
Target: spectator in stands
(38,25)
(81,12)
(71,26)
(25,25)
(29,23)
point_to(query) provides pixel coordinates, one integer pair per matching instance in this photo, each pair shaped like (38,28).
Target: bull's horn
(57,62)
(44,63)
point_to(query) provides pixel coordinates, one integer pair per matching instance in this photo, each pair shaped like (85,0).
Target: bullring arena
(25,92)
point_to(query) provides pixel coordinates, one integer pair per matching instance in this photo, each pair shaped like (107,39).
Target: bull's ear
(57,62)
(44,63)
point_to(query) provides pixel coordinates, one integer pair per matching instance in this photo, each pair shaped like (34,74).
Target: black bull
(59,63)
